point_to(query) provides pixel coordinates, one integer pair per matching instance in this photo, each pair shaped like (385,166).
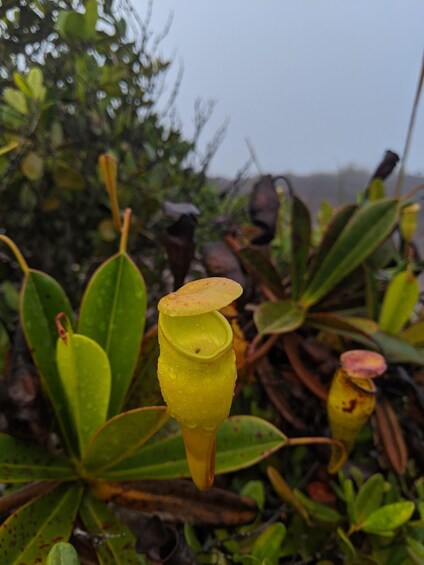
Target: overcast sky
(316,85)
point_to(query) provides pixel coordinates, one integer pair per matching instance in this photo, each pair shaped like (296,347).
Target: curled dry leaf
(220,261)
(391,435)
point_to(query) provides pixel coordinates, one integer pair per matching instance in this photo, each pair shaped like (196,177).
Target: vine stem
(16,252)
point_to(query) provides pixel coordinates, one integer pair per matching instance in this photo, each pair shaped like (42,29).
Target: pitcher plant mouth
(201,338)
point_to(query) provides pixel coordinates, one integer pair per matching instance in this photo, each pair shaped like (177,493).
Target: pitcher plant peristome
(351,399)
(196,368)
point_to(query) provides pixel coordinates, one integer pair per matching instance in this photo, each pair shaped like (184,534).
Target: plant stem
(16,252)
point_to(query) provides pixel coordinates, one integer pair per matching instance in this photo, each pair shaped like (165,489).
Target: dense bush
(77,79)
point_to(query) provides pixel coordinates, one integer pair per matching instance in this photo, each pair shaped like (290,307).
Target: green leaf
(85,374)
(399,302)
(369,498)
(414,334)
(319,511)
(396,350)
(23,462)
(300,243)
(9,147)
(347,326)
(260,267)
(62,553)
(35,82)
(388,517)
(255,490)
(332,233)
(113,314)
(117,545)
(41,300)
(278,317)
(122,436)
(376,190)
(22,84)
(364,232)
(16,100)
(32,166)
(69,179)
(90,18)
(268,544)
(241,442)
(415,549)
(28,534)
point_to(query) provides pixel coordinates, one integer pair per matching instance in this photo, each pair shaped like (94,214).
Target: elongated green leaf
(122,436)
(399,302)
(9,147)
(21,462)
(268,544)
(41,300)
(16,100)
(300,243)
(388,517)
(278,317)
(331,234)
(342,325)
(364,232)
(396,350)
(369,498)
(117,545)
(62,553)
(319,511)
(241,442)
(260,267)
(85,373)
(113,314)
(28,534)
(22,84)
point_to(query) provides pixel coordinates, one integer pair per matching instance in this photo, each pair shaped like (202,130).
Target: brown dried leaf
(291,343)
(272,386)
(391,435)
(179,501)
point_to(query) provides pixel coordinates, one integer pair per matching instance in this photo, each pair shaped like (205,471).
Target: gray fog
(316,85)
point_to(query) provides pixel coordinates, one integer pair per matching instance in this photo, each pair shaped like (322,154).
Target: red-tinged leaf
(117,545)
(391,436)
(122,436)
(180,501)
(21,462)
(27,535)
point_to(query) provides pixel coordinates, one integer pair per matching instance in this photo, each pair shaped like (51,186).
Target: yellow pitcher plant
(351,400)
(196,368)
